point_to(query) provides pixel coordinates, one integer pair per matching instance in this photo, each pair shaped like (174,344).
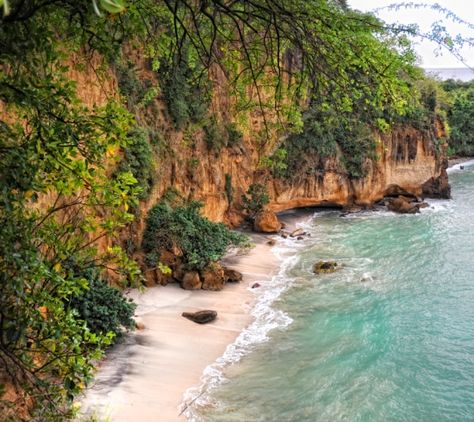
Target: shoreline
(460,160)
(146,376)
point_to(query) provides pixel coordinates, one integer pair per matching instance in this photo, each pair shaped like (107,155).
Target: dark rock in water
(438,187)
(232,276)
(255,285)
(395,190)
(351,209)
(200,317)
(461,167)
(300,238)
(271,242)
(266,221)
(322,267)
(298,232)
(402,205)
(284,235)
(423,205)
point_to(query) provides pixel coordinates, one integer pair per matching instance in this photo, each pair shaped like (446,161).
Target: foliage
(326,134)
(461,117)
(131,87)
(218,135)
(57,192)
(103,308)
(138,160)
(255,199)
(200,240)
(188,99)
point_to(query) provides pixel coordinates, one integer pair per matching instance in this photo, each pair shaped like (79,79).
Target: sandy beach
(144,378)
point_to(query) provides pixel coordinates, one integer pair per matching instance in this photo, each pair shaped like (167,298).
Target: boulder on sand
(201,317)
(191,281)
(322,267)
(266,221)
(232,276)
(213,277)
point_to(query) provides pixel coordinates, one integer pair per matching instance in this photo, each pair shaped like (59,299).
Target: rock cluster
(212,277)
(405,205)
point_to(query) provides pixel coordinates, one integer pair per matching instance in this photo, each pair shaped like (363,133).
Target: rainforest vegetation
(321,77)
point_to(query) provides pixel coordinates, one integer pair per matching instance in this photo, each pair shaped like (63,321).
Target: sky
(430,56)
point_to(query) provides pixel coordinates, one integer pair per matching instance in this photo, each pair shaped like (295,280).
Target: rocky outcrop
(266,221)
(191,281)
(213,277)
(323,267)
(200,317)
(437,187)
(232,276)
(402,205)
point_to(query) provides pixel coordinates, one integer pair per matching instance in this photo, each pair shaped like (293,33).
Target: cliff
(407,161)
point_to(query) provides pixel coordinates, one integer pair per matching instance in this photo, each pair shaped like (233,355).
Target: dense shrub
(138,160)
(200,240)
(186,95)
(103,308)
(461,117)
(324,135)
(218,135)
(255,199)
(130,85)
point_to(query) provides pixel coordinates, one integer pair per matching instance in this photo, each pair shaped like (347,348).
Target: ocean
(463,74)
(388,337)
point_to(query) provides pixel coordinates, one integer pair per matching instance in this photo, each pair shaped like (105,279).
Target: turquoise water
(389,337)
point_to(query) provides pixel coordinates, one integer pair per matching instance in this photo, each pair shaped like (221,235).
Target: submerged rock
(266,221)
(200,317)
(255,285)
(297,233)
(322,267)
(271,242)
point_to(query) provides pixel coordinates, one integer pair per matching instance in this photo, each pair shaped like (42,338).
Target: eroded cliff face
(408,162)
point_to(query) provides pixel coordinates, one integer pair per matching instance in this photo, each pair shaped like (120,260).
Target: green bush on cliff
(255,199)
(324,135)
(138,160)
(186,93)
(182,225)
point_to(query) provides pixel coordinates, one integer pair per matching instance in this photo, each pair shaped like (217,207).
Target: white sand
(145,378)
